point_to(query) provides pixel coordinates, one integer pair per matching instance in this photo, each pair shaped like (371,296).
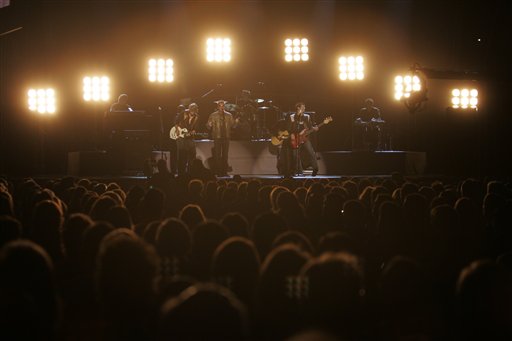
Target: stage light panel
(405,85)
(296,50)
(161,70)
(351,68)
(218,50)
(464,98)
(96,88)
(42,100)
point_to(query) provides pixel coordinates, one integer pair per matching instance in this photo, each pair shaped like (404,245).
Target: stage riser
(371,163)
(254,158)
(102,163)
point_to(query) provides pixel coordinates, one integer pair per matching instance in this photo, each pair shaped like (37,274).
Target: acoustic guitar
(279,138)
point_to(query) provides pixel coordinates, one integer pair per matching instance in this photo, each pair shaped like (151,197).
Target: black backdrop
(61,41)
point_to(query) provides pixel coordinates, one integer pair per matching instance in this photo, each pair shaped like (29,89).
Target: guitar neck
(309,131)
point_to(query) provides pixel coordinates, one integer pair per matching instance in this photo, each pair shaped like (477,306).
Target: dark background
(61,41)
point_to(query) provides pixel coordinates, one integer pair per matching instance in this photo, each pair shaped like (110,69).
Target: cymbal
(259,100)
(231,107)
(263,108)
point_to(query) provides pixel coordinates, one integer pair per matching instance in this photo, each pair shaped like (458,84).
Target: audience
(190,258)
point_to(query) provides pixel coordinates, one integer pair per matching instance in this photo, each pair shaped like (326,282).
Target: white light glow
(351,67)
(296,49)
(96,88)
(42,100)
(405,85)
(464,98)
(161,70)
(218,50)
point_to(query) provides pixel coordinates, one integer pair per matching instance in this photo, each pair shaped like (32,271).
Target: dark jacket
(217,120)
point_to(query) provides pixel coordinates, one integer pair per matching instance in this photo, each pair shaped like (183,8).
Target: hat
(220,100)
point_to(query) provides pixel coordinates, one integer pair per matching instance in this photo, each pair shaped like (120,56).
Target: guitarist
(186,125)
(302,152)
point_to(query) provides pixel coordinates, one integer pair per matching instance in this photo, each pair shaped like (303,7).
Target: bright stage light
(161,70)
(405,85)
(464,98)
(42,101)
(218,50)
(351,68)
(296,50)
(96,88)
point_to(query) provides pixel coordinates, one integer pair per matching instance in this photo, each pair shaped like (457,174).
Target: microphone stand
(161,133)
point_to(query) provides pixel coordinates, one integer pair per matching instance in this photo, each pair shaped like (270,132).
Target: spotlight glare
(160,69)
(405,85)
(352,67)
(464,98)
(218,50)
(296,50)
(94,88)
(41,100)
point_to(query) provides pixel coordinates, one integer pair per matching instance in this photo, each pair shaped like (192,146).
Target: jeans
(220,155)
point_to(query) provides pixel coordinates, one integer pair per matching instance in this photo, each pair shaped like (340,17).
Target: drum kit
(255,116)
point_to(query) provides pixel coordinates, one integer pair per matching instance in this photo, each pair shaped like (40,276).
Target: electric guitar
(279,138)
(297,139)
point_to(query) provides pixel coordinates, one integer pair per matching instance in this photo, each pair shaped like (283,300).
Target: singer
(220,123)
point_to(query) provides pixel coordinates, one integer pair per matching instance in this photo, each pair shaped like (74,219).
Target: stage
(253,158)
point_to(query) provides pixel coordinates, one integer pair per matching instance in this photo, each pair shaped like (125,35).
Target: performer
(367,126)
(298,123)
(185,128)
(173,146)
(220,122)
(121,104)
(280,147)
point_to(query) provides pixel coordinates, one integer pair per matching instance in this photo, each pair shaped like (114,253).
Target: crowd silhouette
(195,258)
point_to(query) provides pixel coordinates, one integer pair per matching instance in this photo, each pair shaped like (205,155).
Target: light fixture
(218,50)
(161,70)
(96,88)
(406,85)
(42,101)
(464,98)
(351,68)
(296,50)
